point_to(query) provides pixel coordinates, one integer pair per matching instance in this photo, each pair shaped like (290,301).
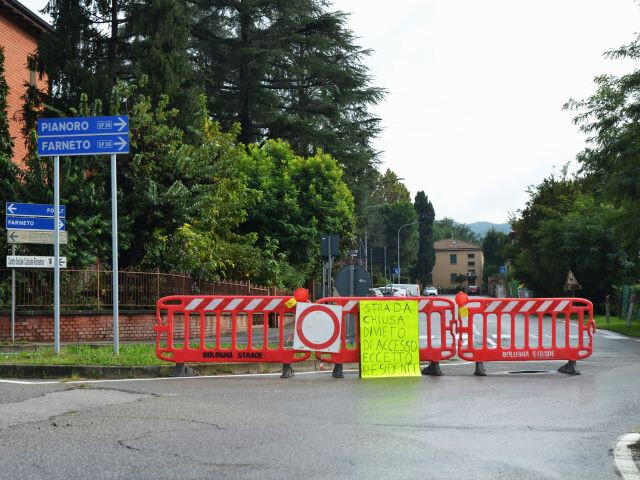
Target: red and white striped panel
(233,304)
(523,306)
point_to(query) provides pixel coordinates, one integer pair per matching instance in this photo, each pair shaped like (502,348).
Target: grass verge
(130,355)
(618,325)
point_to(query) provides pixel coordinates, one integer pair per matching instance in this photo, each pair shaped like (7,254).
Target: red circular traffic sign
(332,316)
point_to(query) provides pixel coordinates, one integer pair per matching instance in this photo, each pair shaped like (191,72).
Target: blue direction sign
(75,126)
(36,223)
(83,136)
(33,210)
(97,145)
(503,269)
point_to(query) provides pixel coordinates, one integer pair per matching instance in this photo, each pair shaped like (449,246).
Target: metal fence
(91,289)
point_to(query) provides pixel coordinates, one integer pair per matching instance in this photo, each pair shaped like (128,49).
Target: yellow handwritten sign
(389,339)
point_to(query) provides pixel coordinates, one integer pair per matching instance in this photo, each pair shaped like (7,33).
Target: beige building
(454,258)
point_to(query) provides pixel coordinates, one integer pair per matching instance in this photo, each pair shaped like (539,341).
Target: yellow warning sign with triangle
(571,283)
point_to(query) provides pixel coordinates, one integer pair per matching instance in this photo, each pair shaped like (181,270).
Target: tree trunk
(244,79)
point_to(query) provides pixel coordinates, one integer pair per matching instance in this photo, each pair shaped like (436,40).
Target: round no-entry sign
(317,327)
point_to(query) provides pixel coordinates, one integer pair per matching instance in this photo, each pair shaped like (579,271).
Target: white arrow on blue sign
(83,136)
(33,210)
(36,223)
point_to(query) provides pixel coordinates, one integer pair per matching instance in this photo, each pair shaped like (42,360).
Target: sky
(473,113)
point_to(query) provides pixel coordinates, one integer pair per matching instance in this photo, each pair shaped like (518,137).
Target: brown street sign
(34,236)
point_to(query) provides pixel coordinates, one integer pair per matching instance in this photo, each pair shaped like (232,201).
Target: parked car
(411,289)
(473,290)
(375,292)
(390,291)
(430,290)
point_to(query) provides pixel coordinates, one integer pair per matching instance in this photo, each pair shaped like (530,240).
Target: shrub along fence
(86,302)
(91,289)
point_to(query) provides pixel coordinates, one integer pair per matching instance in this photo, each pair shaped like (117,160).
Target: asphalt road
(506,425)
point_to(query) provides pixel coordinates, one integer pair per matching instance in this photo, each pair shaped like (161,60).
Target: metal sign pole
(324,279)
(13,297)
(114,254)
(329,282)
(56,254)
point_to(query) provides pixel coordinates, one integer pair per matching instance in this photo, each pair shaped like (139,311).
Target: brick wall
(84,327)
(18,44)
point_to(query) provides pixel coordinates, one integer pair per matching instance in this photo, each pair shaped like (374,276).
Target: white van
(412,290)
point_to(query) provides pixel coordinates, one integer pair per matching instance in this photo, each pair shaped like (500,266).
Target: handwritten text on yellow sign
(389,339)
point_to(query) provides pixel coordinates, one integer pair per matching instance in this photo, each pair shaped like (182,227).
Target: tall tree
(563,227)
(493,250)
(389,189)
(9,183)
(83,53)
(426,254)
(297,199)
(611,119)
(383,232)
(6,142)
(158,34)
(289,69)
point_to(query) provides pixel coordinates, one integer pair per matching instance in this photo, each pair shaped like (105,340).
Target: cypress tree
(426,253)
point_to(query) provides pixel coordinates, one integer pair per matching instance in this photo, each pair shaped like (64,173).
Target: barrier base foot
(182,370)
(569,368)
(480,371)
(432,369)
(287,371)
(337,371)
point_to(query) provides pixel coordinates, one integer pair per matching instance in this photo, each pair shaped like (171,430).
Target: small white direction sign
(34,236)
(20,261)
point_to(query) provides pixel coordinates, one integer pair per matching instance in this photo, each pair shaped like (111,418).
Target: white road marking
(623,458)
(23,382)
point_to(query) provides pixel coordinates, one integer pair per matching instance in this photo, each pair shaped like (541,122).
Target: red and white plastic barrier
(523,329)
(224,329)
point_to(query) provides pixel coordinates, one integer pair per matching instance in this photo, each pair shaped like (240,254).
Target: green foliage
(389,189)
(289,70)
(184,201)
(611,119)
(426,253)
(9,179)
(449,228)
(6,142)
(297,200)
(563,227)
(618,325)
(493,250)
(383,231)
(196,193)
(130,355)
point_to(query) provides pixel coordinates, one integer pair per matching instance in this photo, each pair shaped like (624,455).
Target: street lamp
(405,225)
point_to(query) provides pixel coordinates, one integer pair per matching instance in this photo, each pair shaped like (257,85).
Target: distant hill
(481,228)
